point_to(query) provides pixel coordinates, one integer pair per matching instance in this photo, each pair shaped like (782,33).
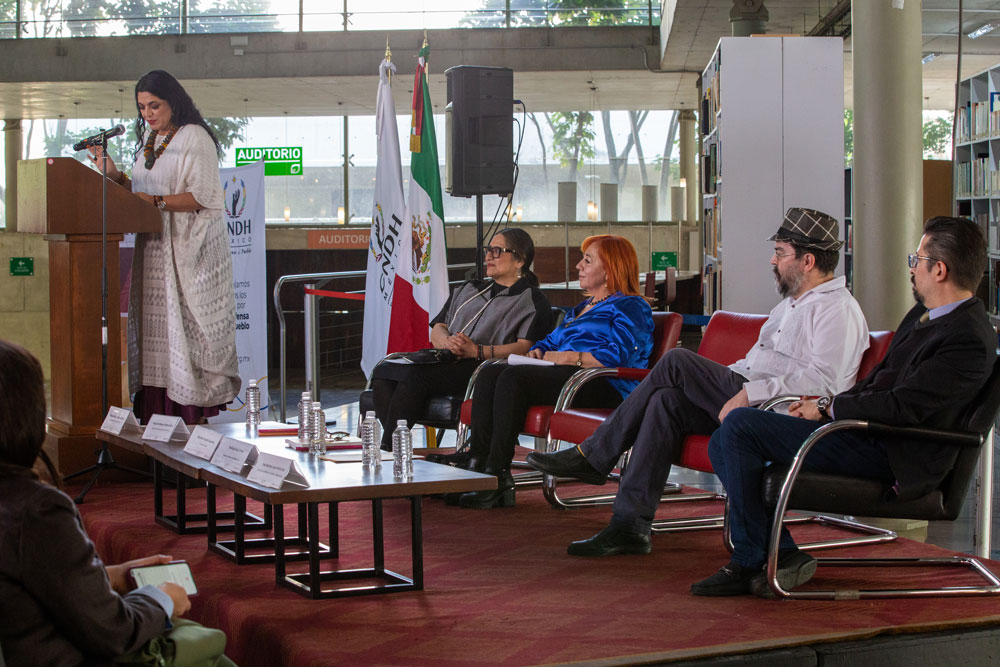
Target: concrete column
(888,165)
(12,153)
(688,156)
(650,203)
(566,201)
(609,202)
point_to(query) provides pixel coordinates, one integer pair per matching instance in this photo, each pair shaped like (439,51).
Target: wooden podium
(61,198)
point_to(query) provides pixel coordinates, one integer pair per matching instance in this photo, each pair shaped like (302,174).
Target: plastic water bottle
(305,406)
(317,427)
(402,451)
(253,404)
(371,441)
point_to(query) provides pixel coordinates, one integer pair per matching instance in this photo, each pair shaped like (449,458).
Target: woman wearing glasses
(480,321)
(612,327)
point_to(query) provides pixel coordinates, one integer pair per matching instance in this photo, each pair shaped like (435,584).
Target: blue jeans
(750,439)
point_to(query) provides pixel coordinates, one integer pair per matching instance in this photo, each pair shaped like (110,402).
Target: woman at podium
(182,311)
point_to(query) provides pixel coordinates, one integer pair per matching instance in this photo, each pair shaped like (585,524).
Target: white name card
(272,471)
(118,419)
(162,428)
(233,455)
(203,443)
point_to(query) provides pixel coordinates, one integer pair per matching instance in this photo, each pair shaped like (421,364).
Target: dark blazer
(929,376)
(56,603)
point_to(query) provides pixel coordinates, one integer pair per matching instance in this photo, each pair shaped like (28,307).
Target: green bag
(187,644)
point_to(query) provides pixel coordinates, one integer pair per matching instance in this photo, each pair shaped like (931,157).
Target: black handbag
(431,356)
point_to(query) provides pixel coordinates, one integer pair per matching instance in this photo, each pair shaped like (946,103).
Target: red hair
(620,262)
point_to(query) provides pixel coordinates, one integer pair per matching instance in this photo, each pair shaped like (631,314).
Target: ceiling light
(982,30)
(929,57)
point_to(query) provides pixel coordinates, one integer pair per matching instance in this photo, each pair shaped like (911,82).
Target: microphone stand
(105,461)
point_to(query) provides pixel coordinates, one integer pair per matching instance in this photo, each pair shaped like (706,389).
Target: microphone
(99,138)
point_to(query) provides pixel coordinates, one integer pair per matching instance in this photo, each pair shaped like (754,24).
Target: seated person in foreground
(613,327)
(811,343)
(489,320)
(941,356)
(59,603)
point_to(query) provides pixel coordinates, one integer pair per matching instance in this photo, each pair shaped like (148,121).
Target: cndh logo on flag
(238,197)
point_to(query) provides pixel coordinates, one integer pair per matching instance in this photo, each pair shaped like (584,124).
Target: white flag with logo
(388,213)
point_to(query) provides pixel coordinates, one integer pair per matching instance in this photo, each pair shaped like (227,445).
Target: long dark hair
(182,109)
(22,410)
(524,249)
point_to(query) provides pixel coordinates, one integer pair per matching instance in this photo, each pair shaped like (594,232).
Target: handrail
(307,278)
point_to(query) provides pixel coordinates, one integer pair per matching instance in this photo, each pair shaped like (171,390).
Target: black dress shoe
(731,579)
(615,539)
(453,459)
(567,463)
(484,500)
(794,569)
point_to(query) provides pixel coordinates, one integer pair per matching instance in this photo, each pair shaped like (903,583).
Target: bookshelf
(976,174)
(772,124)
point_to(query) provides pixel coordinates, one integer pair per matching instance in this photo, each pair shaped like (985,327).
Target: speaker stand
(479,238)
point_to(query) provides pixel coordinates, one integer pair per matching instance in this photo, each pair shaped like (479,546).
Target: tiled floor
(340,400)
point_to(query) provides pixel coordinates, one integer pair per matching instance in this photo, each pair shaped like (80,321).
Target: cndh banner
(243,192)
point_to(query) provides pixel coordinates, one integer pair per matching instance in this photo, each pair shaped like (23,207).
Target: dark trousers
(682,395)
(501,399)
(751,439)
(401,391)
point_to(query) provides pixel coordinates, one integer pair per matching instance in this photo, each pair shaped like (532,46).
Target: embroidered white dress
(182,310)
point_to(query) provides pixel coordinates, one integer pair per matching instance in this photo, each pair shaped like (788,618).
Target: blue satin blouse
(618,332)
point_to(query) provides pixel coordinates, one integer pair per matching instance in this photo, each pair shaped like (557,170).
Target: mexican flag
(388,214)
(421,285)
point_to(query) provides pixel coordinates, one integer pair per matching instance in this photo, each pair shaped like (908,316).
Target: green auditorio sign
(278,160)
(661,260)
(22,266)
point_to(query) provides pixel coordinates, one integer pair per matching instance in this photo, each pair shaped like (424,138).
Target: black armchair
(791,488)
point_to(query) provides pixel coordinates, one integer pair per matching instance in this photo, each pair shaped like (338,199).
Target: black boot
(463,459)
(484,500)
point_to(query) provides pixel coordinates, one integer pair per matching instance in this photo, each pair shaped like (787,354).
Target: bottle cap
(370,414)
(306,396)
(317,405)
(401,422)
(252,383)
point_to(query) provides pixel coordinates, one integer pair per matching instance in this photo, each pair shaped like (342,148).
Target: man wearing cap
(941,356)
(811,344)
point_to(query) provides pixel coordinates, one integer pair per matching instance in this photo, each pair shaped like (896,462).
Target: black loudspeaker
(479,131)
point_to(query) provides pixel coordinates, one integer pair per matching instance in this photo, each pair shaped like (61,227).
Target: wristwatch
(159,203)
(579,358)
(822,403)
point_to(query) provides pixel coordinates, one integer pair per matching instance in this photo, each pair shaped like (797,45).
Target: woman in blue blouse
(613,327)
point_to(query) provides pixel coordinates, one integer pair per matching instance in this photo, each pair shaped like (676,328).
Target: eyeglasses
(781,254)
(913,259)
(494,251)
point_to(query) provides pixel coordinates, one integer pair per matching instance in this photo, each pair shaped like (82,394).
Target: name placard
(233,455)
(117,419)
(162,428)
(203,443)
(272,471)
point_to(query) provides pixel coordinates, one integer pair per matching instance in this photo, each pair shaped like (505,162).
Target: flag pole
(388,58)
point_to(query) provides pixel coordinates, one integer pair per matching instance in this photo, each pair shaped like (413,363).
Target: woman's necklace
(590,304)
(149,153)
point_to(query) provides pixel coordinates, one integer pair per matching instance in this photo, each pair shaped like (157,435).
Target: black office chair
(790,488)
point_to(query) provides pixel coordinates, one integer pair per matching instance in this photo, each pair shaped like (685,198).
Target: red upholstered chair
(727,339)
(666,333)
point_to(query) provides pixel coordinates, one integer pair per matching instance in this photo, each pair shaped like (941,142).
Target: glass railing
(90,18)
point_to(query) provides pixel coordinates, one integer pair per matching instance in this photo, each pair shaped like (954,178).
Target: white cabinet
(773,137)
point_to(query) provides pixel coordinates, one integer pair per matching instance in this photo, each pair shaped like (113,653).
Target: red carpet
(500,590)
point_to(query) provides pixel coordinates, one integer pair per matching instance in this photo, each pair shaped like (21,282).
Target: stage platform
(501,590)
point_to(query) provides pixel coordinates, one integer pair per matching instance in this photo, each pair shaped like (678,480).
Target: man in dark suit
(941,356)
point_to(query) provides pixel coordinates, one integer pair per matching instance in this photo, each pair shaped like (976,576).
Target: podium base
(71,453)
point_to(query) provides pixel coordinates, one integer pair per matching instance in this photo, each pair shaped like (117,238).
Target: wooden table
(330,483)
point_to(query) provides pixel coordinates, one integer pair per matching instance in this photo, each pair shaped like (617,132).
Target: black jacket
(56,603)
(929,376)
